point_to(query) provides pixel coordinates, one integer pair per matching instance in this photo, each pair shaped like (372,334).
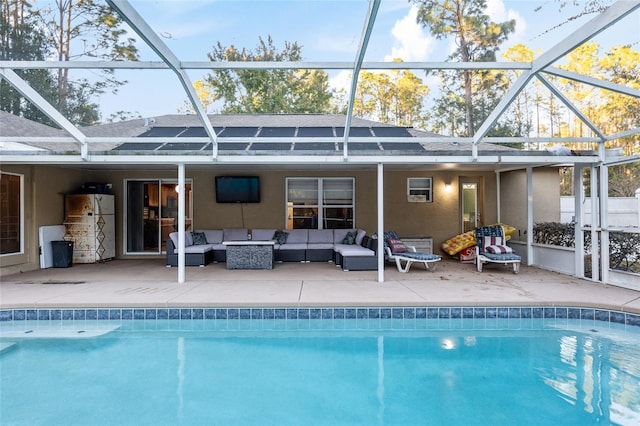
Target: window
(11,210)
(419,190)
(320,203)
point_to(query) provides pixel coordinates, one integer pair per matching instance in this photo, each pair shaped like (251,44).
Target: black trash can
(62,253)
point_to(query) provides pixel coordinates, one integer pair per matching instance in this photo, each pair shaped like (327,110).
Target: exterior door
(471,206)
(152,214)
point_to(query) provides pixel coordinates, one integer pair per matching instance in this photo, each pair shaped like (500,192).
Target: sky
(328,30)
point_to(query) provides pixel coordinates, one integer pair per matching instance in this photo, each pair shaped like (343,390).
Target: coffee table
(249,254)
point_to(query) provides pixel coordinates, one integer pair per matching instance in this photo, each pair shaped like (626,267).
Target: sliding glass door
(152,214)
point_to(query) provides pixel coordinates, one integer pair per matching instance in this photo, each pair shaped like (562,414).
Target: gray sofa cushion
(214,236)
(319,246)
(353,250)
(188,241)
(198,248)
(293,246)
(297,236)
(235,234)
(262,234)
(320,236)
(174,238)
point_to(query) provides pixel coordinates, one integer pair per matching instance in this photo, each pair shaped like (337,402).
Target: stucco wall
(45,187)
(439,219)
(546,198)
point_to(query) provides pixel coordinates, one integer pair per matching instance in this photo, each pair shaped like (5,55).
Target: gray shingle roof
(11,125)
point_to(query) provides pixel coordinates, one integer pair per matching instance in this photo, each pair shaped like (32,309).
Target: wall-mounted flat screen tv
(237,189)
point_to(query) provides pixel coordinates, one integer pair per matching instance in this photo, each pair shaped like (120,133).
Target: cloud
(498,12)
(411,42)
(341,81)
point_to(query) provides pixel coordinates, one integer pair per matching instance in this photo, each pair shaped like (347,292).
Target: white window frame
(417,186)
(320,205)
(21,218)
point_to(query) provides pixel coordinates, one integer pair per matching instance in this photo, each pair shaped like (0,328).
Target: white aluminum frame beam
(595,82)
(596,225)
(624,134)
(169,158)
(599,23)
(362,49)
(380,208)
(623,160)
(43,105)
(140,26)
(567,102)
(302,140)
(530,259)
(578,230)
(308,65)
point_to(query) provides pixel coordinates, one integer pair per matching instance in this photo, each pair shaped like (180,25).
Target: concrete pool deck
(148,283)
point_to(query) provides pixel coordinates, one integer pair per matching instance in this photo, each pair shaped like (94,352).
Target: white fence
(623,211)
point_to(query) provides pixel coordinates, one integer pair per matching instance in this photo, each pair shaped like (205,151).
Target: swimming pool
(523,365)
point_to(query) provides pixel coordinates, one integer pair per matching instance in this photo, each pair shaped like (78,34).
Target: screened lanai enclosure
(375,90)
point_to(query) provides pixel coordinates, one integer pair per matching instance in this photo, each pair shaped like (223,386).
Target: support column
(638,206)
(498,194)
(529,216)
(604,222)
(181,224)
(380,250)
(596,224)
(578,219)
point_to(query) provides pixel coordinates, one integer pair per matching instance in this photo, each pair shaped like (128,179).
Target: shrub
(624,247)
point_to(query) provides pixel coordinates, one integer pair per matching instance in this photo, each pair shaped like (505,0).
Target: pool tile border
(304,313)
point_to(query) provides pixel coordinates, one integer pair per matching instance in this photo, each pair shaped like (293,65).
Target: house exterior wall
(438,219)
(45,187)
(513,198)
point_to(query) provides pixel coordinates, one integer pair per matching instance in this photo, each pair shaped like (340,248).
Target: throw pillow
(199,238)
(397,246)
(492,241)
(498,249)
(350,238)
(280,237)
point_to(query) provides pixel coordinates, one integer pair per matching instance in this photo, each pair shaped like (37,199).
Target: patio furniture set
(350,249)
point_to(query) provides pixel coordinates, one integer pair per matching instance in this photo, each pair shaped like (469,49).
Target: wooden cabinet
(90,224)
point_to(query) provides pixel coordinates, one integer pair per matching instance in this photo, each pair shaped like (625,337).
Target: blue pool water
(320,372)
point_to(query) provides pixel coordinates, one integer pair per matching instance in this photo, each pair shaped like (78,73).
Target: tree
(85,28)
(395,97)
(476,36)
(617,112)
(92,29)
(204,92)
(520,112)
(22,39)
(267,90)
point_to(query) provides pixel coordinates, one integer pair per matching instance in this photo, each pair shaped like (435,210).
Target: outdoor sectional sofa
(349,248)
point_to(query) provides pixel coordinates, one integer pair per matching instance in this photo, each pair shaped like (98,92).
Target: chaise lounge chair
(396,250)
(491,247)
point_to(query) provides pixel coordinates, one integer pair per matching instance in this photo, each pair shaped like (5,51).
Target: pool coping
(311,313)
